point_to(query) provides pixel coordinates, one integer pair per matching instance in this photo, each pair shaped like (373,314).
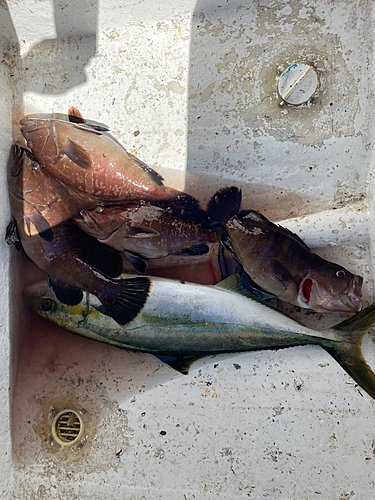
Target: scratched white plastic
(192,89)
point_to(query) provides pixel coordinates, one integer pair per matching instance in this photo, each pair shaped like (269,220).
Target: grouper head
(331,288)
(102,221)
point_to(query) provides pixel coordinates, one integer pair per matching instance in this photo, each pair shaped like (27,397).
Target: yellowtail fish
(282,264)
(182,322)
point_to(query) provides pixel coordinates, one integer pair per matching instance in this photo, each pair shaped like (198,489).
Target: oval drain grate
(67,427)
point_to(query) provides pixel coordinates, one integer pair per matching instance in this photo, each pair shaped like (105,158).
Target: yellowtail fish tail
(124,299)
(347,351)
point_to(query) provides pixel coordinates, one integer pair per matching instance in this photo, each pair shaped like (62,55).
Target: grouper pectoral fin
(233,284)
(77,154)
(67,294)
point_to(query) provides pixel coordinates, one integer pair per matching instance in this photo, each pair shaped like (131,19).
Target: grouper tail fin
(347,350)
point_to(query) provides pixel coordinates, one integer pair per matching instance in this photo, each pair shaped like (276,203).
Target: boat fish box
(273,97)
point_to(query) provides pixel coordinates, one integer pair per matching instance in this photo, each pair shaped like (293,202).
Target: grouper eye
(99,210)
(47,305)
(340,274)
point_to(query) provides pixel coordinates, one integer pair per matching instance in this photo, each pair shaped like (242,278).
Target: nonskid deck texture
(192,90)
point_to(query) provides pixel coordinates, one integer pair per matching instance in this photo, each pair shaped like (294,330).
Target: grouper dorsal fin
(152,174)
(256,217)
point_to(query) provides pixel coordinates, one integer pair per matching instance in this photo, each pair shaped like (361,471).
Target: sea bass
(145,231)
(281,263)
(86,158)
(182,322)
(72,259)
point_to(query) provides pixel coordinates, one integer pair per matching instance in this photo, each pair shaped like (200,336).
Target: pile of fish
(98,221)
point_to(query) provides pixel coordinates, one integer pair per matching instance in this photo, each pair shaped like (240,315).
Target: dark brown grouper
(71,258)
(281,263)
(86,158)
(145,232)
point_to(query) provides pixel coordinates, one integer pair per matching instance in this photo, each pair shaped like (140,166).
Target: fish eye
(99,210)
(47,305)
(34,165)
(340,274)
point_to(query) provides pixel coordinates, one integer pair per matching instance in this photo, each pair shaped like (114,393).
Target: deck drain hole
(67,427)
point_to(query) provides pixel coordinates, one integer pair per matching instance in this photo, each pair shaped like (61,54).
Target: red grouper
(86,158)
(73,260)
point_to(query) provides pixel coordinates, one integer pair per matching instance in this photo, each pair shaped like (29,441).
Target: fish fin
(226,242)
(153,175)
(180,364)
(91,127)
(15,160)
(347,352)
(224,204)
(200,249)
(77,154)
(41,225)
(125,299)
(12,236)
(281,273)
(140,232)
(257,217)
(233,284)
(248,284)
(75,116)
(222,263)
(67,294)
(137,262)
(106,259)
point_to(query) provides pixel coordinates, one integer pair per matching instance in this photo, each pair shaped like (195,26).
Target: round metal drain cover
(297,84)
(67,427)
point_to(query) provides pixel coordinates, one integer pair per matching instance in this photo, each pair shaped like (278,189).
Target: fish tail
(348,352)
(124,299)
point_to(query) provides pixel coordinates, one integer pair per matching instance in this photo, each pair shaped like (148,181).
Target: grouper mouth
(312,296)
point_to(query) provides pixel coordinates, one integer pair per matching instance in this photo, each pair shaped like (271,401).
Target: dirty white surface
(192,89)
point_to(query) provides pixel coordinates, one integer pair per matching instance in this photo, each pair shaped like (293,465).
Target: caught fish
(85,157)
(145,232)
(282,264)
(182,322)
(73,260)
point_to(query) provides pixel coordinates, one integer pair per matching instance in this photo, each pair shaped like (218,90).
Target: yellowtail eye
(340,274)
(47,305)
(99,210)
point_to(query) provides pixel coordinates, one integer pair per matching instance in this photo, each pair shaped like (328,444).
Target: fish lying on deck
(282,264)
(73,260)
(182,322)
(86,158)
(145,232)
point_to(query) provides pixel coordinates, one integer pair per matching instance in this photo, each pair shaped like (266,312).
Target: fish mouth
(312,296)
(85,218)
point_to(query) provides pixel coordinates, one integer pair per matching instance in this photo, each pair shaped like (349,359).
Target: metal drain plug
(67,427)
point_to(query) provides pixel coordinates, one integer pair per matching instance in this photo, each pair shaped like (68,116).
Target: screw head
(297,84)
